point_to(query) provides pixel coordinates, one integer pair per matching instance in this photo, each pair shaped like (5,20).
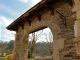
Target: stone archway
(21,48)
(55,14)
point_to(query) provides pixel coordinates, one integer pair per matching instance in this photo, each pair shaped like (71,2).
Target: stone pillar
(77,26)
(57,46)
(21,45)
(77,22)
(56,54)
(77,45)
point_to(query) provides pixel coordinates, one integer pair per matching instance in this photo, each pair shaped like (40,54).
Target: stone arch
(55,24)
(54,27)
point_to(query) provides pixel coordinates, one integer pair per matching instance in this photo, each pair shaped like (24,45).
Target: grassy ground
(1,58)
(45,58)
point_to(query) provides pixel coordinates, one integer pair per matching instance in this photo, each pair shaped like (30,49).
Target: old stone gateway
(63,19)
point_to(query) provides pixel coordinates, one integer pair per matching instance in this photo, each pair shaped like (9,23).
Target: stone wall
(56,25)
(51,20)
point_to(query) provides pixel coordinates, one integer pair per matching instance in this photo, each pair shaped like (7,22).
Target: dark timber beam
(28,20)
(24,18)
(22,25)
(70,2)
(63,18)
(49,7)
(36,14)
(16,27)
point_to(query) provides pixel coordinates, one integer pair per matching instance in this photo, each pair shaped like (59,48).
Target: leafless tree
(49,40)
(34,37)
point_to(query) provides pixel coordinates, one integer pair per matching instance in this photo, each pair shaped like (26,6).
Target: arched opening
(40,44)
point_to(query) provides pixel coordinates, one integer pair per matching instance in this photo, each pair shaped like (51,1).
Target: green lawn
(1,58)
(44,58)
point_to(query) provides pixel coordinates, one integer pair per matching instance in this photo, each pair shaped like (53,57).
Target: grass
(1,58)
(44,58)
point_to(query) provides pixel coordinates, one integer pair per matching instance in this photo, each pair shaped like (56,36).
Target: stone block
(78,50)
(56,54)
(76,8)
(77,1)
(72,49)
(77,28)
(67,42)
(77,44)
(58,44)
(78,14)
(76,39)
(64,53)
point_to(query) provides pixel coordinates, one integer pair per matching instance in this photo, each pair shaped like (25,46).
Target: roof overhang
(25,17)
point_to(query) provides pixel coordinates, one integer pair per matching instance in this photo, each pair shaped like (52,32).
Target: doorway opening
(40,43)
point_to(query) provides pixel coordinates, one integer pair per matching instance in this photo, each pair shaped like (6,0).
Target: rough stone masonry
(63,19)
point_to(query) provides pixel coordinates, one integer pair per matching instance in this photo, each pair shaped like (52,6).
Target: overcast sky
(10,10)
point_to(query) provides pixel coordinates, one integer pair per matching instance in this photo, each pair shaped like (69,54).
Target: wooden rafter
(49,7)
(70,2)
(28,20)
(63,18)
(36,14)
(22,25)
(16,27)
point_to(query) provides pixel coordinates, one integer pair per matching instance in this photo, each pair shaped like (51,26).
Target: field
(46,58)
(1,58)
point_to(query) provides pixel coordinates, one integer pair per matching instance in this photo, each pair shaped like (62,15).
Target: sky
(10,10)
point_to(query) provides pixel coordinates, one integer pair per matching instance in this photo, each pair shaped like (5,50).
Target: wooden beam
(36,14)
(22,25)
(63,18)
(24,18)
(49,7)
(16,28)
(28,20)
(70,2)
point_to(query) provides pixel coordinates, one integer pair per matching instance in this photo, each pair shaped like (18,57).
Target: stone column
(77,45)
(21,45)
(77,26)
(57,46)
(77,22)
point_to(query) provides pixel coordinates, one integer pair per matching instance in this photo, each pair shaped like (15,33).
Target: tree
(10,46)
(34,37)
(3,46)
(49,40)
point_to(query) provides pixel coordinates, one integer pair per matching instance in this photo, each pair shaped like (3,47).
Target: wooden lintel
(16,28)
(29,22)
(70,2)
(50,8)
(24,18)
(63,18)
(22,25)
(37,14)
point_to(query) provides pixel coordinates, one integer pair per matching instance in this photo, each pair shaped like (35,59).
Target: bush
(9,57)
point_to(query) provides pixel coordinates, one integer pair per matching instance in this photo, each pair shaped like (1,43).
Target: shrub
(9,57)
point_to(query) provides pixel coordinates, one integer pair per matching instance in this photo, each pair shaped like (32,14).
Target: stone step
(76,57)
(65,58)
(72,49)
(68,58)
